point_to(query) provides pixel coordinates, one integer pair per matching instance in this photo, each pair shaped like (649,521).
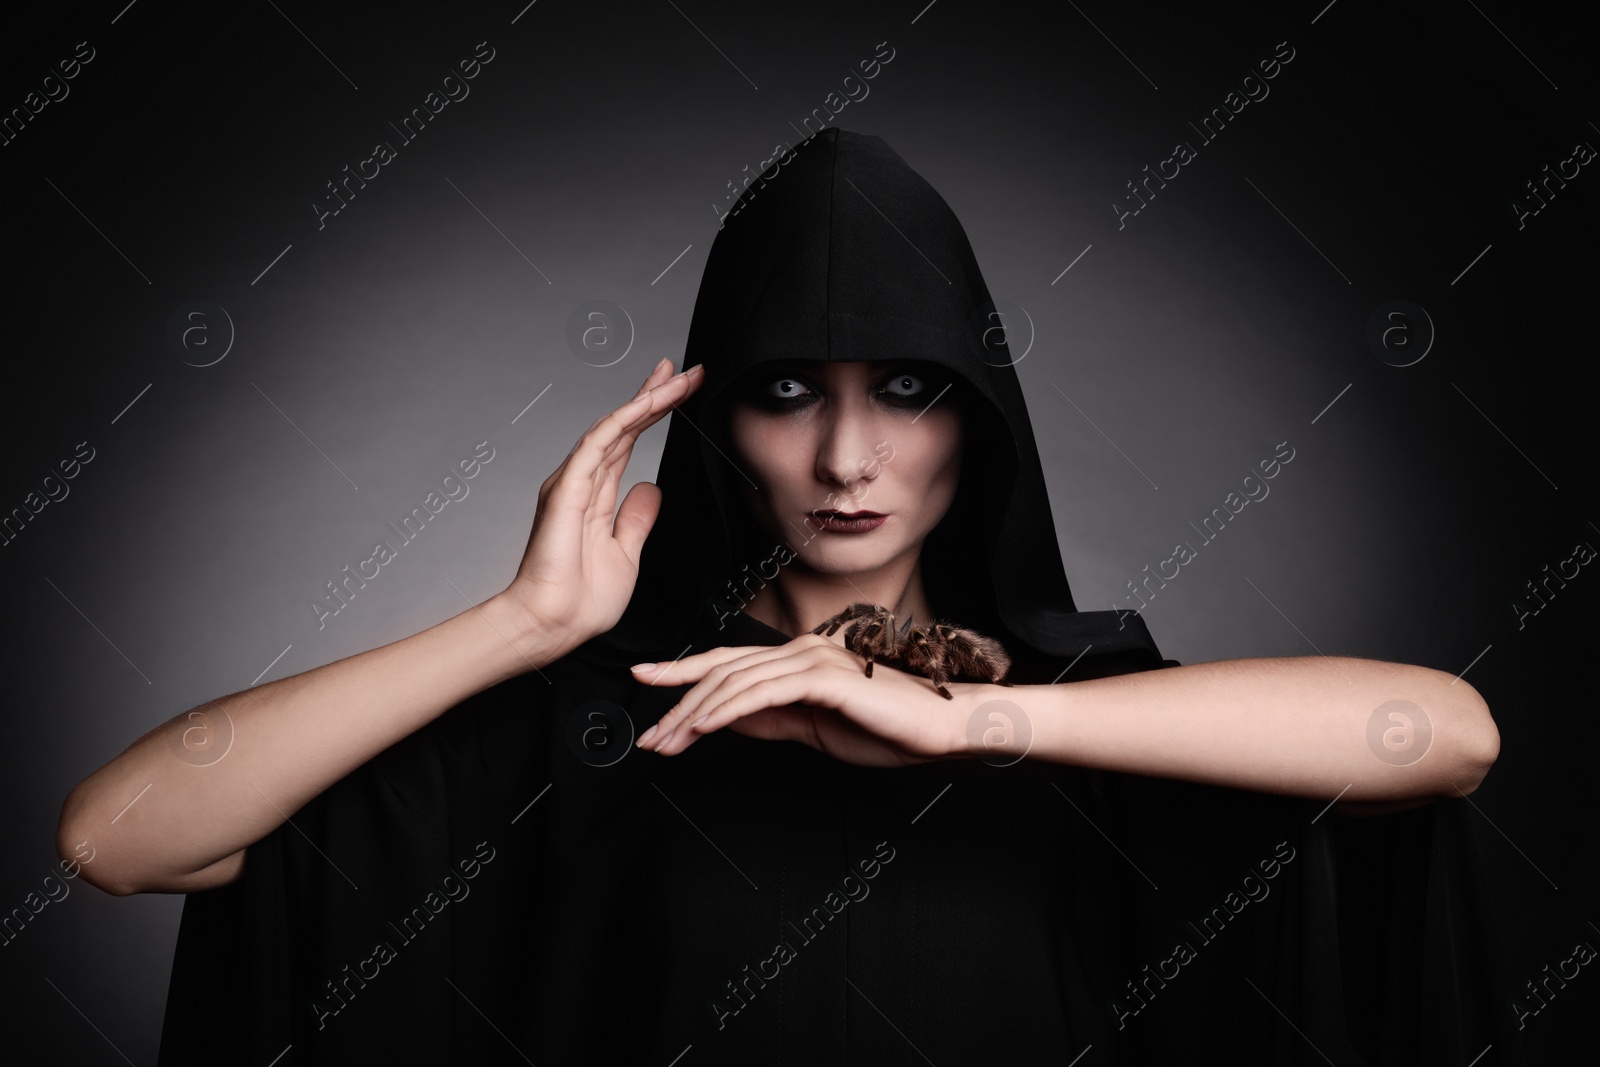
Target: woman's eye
(910,384)
(785,388)
(899,388)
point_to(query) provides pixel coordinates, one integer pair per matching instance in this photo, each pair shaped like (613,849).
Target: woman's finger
(632,417)
(752,696)
(606,477)
(618,453)
(651,380)
(638,413)
(641,419)
(575,483)
(699,672)
(656,372)
(726,680)
(636,518)
(751,693)
(707,670)
(659,376)
(723,686)
(688,669)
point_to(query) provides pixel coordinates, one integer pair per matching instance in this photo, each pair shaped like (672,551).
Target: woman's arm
(1367,736)
(1320,727)
(160,823)
(156,821)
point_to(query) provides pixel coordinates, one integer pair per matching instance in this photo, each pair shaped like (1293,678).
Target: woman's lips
(831,521)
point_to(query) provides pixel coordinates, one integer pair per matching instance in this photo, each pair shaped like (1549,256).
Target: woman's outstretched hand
(814,690)
(580,566)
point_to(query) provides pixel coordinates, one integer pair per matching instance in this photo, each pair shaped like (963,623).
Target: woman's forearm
(1320,727)
(174,812)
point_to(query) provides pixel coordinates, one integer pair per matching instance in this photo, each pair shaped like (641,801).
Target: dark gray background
(1222,320)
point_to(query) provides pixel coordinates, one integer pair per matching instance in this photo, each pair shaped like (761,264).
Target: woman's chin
(846,560)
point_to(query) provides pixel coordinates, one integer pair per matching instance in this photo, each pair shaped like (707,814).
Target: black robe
(514,882)
(532,895)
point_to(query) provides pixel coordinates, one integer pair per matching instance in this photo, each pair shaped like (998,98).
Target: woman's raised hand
(580,567)
(574,582)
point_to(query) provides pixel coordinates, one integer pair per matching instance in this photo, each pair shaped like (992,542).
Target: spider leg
(871,635)
(830,625)
(849,614)
(938,661)
(923,655)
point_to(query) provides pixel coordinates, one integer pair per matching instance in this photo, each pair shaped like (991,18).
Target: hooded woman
(468,859)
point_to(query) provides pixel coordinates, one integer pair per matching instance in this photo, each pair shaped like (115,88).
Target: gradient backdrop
(261,391)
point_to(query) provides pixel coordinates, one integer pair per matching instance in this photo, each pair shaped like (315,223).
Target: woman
(477,867)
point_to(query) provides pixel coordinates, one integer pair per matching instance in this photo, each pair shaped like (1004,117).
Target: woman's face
(850,437)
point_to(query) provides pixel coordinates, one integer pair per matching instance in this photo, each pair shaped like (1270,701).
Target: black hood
(840,251)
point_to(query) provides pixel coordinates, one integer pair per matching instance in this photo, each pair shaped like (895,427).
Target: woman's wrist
(536,640)
(985,721)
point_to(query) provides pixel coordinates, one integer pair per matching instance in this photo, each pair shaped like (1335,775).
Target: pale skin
(1296,726)
(158,823)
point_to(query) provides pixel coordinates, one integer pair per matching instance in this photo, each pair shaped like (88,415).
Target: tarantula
(939,652)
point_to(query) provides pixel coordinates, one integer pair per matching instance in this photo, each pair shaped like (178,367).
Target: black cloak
(516,883)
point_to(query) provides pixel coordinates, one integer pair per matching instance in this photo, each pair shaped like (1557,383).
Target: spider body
(939,652)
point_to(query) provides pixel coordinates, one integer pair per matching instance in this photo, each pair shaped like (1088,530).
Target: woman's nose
(845,453)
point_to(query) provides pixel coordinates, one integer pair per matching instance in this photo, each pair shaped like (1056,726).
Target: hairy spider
(939,652)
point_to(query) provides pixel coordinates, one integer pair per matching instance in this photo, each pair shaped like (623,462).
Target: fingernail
(701,719)
(663,363)
(641,666)
(648,734)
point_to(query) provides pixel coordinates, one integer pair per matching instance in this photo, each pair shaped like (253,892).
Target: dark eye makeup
(788,389)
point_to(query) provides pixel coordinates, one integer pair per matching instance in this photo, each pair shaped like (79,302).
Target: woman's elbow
(1476,741)
(78,853)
